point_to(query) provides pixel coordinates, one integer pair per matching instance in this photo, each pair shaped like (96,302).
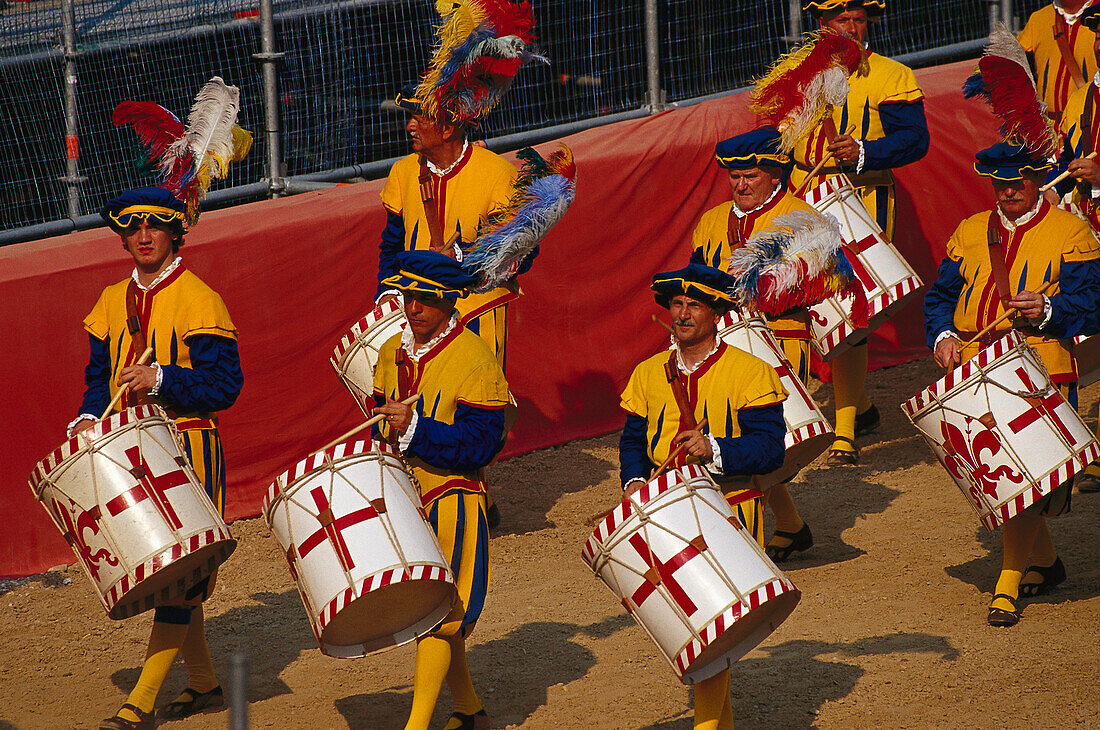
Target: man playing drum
(1059,46)
(997,260)
(1081,128)
(880,127)
(455,431)
(670,393)
(195,372)
(758,174)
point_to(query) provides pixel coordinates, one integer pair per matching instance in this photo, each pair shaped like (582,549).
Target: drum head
(387,617)
(172,582)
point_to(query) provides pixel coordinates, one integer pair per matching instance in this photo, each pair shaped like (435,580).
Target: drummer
(1038,243)
(454,431)
(195,371)
(880,127)
(666,399)
(758,174)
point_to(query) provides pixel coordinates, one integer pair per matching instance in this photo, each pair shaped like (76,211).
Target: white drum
(808,431)
(368,565)
(1002,430)
(888,280)
(356,355)
(131,507)
(1086,352)
(685,567)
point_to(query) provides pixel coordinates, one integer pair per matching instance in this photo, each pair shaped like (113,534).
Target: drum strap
(133,318)
(679,392)
(1061,36)
(828,128)
(1087,143)
(431,211)
(997,258)
(401,359)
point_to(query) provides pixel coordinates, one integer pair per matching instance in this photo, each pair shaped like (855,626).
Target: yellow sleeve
(1027,37)
(98,322)
(954,244)
(503,188)
(205,314)
(633,399)
(1080,244)
(903,87)
(763,387)
(484,386)
(393,192)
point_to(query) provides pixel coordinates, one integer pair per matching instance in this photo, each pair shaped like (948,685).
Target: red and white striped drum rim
(364,324)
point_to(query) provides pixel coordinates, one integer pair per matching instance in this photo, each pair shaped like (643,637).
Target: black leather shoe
(477,721)
(1051,576)
(801,540)
(867,421)
(198,702)
(1002,618)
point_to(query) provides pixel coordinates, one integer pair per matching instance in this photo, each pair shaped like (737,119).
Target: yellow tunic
(1072,128)
(1052,78)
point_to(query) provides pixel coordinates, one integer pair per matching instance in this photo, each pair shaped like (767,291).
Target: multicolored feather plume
(797,262)
(542,193)
(480,46)
(801,88)
(1004,80)
(187,158)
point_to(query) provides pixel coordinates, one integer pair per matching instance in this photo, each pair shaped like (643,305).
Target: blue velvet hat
(1090,17)
(817,7)
(704,283)
(753,149)
(144,203)
(1004,161)
(430,272)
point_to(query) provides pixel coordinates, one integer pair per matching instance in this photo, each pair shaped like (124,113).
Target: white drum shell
(393,544)
(1086,352)
(894,280)
(740,597)
(809,433)
(1022,453)
(137,556)
(356,354)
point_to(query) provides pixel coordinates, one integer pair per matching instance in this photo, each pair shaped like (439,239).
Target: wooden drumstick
(1064,175)
(676,452)
(365,425)
(664,324)
(122,391)
(1007,313)
(813,173)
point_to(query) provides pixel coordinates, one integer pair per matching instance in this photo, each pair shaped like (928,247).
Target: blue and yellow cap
(817,7)
(1004,161)
(142,204)
(1090,17)
(704,283)
(430,272)
(753,149)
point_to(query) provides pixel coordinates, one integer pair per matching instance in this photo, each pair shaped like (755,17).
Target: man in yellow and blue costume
(1060,48)
(195,372)
(1031,242)
(669,395)
(881,126)
(758,173)
(455,430)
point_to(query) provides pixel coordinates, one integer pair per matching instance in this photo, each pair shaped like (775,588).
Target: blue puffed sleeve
(759,448)
(213,381)
(634,460)
(1068,155)
(97,377)
(1073,310)
(471,442)
(905,140)
(393,241)
(941,300)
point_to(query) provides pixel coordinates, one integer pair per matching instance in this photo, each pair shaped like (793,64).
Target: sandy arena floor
(890,633)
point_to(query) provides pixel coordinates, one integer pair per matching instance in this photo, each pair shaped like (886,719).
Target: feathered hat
(1004,80)
(480,46)
(188,157)
(874,8)
(432,273)
(800,90)
(759,147)
(703,283)
(1007,162)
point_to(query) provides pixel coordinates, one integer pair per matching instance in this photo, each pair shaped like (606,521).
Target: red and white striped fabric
(1002,430)
(368,566)
(680,561)
(888,279)
(356,354)
(127,501)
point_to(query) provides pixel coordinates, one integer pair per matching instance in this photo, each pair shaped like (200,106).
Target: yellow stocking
(787,518)
(196,655)
(849,372)
(1018,535)
(713,710)
(433,659)
(465,697)
(165,641)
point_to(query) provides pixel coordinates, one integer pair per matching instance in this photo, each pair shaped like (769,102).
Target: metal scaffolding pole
(1007,15)
(72,176)
(794,22)
(655,95)
(268,56)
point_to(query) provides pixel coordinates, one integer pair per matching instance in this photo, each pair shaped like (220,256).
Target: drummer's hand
(1029,304)
(141,378)
(696,444)
(1085,171)
(845,149)
(948,353)
(633,486)
(398,415)
(83,426)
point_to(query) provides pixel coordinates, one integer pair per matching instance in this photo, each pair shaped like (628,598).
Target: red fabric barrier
(296,272)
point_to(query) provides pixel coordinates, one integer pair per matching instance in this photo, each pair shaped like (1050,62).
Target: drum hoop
(345,450)
(352,337)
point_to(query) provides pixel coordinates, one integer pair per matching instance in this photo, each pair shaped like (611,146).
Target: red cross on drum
(680,561)
(888,279)
(1002,430)
(809,433)
(127,501)
(368,566)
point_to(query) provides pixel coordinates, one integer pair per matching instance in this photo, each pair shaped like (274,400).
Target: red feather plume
(154,125)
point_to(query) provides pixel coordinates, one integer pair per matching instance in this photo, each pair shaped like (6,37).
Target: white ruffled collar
(415,353)
(742,213)
(160,277)
(1071,18)
(461,156)
(1011,225)
(675,346)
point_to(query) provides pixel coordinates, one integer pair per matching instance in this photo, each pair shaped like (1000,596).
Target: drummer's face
(752,186)
(427,315)
(1016,197)
(150,243)
(692,320)
(851,23)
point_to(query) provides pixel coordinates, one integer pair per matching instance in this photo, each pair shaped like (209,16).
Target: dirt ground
(890,632)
